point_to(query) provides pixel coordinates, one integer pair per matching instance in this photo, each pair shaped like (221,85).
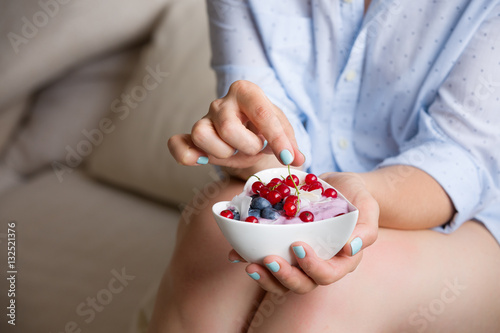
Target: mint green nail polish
(234,261)
(273,266)
(286,157)
(356,245)
(299,251)
(264,145)
(202,160)
(254,275)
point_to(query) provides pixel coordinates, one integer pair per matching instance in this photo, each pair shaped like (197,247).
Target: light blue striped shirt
(410,82)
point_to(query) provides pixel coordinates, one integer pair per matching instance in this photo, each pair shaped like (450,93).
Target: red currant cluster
(278,193)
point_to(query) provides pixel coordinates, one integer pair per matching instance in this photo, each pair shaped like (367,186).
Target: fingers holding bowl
(323,272)
(353,187)
(278,276)
(366,229)
(234,257)
(327,235)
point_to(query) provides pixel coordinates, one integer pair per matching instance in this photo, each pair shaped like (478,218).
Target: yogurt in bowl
(255,228)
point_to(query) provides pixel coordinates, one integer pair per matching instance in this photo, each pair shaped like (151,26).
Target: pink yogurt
(322,207)
(322,210)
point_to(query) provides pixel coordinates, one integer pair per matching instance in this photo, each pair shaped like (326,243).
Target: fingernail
(234,261)
(202,160)
(356,245)
(299,251)
(286,157)
(303,155)
(235,152)
(273,266)
(254,275)
(264,145)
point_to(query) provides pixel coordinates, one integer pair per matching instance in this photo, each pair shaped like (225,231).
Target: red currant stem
(257,178)
(296,189)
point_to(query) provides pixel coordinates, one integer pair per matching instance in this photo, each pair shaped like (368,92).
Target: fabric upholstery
(135,154)
(66,112)
(43,39)
(72,239)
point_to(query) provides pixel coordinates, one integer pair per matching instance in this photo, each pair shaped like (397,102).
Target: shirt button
(350,76)
(343,143)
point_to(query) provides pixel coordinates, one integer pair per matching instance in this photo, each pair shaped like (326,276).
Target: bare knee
(201,248)
(407,281)
(201,204)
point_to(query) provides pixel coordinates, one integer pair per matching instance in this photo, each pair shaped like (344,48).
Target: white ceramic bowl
(254,241)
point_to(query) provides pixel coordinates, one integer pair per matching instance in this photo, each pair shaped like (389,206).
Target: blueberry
(269,213)
(278,206)
(254,212)
(236,214)
(260,203)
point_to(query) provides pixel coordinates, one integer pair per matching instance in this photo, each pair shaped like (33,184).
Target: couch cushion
(42,39)
(73,240)
(8,178)
(171,89)
(9,120)
(67,111)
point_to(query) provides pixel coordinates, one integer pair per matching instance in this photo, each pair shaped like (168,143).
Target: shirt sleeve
(238,54)
(458,139)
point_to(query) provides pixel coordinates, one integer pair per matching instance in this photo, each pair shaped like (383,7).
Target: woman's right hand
(240,123)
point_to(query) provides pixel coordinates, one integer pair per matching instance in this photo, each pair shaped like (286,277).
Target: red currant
(330,193)
(304,187)
(272,185)
(257,186)
(290,208)
(276,180)
(306,216)
(227,213)
(339,214)
(311,178)
(284,190)
(264,191)
(274,197)
(252,219)
(316,186)
(292,198)
(289,182)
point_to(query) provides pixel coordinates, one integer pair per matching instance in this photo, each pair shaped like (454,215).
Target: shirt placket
(345,100)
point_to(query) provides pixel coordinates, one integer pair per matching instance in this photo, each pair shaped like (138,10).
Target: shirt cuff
(453,168)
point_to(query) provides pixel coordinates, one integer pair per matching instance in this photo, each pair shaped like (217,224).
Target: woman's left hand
(280,277)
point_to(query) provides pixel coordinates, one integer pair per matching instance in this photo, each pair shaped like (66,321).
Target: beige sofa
(90,91)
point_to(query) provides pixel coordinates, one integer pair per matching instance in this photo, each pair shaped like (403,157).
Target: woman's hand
(236,129)
(280,277)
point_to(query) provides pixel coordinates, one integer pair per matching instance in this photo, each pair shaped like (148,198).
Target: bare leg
(201,290)
(408,281)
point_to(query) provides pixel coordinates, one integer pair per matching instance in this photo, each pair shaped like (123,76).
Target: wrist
(371,182)
(408,197)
